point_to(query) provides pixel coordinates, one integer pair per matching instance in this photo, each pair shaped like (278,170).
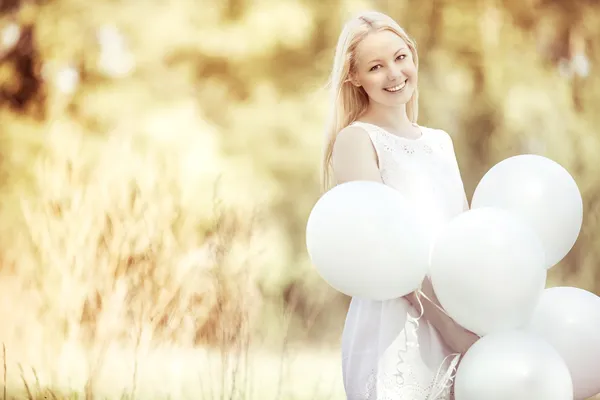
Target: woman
(405,348)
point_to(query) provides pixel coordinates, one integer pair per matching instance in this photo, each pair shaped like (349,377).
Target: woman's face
(385,69)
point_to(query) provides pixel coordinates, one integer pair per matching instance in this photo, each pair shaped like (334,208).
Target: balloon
(365,241)
(569,319)
(512,365)
(541,192)
(487,270)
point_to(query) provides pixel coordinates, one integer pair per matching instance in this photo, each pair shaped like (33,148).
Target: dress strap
(370,128)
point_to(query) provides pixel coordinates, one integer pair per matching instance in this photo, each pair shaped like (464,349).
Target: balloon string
(445,381)
(442,382)
(419,294)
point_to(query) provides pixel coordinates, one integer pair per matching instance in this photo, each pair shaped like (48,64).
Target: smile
(396,88)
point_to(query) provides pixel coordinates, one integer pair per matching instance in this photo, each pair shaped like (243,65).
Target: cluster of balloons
(488,267)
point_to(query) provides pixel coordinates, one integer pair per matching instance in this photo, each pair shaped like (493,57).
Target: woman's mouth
(396,88)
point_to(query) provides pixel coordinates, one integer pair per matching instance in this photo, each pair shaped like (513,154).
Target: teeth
(396,88)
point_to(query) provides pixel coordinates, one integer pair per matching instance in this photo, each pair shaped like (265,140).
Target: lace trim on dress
(406,381)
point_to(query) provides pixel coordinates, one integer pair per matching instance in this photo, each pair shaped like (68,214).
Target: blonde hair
(348,101)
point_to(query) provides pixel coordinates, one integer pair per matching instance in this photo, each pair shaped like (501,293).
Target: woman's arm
(354,158)
(455,336)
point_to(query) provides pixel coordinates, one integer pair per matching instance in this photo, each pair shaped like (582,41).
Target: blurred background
(159,159)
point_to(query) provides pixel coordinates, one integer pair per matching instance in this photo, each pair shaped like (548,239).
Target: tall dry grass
(125,271)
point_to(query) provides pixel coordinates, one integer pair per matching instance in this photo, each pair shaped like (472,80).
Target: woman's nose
(394,73)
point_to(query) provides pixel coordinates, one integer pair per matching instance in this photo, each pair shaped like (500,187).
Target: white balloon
(365,241)
(487,270)
(512,365)
(541,192)
(569,319)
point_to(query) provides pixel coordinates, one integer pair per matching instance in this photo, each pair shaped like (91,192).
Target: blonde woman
(405,348)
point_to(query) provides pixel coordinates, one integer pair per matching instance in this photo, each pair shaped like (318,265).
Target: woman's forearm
(455,336)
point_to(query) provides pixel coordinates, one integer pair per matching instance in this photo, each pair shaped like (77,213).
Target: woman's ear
(352,79)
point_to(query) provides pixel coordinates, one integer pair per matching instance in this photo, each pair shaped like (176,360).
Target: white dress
(388,352)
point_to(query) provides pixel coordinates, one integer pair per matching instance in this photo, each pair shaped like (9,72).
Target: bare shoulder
(353,137)
(353,143)
(354,156)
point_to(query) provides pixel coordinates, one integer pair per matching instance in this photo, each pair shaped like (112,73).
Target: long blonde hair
(348,101)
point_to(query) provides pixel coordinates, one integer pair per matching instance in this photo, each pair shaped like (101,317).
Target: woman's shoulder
(357,128)
(353,132)
(351,138)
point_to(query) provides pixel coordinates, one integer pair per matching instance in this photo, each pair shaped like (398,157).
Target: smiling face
(385,69)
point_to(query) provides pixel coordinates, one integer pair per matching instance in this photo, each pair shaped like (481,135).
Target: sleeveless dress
(389,352)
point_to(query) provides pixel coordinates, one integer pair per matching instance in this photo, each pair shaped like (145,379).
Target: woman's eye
(374,67)
(401,57)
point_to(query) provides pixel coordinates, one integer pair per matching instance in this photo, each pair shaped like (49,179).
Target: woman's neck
(393,119)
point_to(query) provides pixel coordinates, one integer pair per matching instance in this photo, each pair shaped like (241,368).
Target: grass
(127,273)
(244,370)
(187,374)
